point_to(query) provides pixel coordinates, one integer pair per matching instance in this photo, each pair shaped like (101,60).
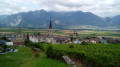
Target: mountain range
(71,20)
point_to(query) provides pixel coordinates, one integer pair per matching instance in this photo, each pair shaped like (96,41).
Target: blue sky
(103,8)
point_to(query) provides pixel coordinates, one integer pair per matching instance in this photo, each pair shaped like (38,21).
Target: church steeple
(50,25)
(50,28)
(19,30)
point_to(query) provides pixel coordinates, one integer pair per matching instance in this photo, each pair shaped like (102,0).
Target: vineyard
(95,55)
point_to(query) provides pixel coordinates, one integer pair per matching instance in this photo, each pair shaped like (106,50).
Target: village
(73,38)
(59,33)
(18,40)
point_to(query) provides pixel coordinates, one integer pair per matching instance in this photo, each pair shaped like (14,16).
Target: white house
(9,43)
(50,40)
(77,41)
(93,41)
(34,39)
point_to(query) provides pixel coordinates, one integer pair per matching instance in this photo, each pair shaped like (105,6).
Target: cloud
(102,8)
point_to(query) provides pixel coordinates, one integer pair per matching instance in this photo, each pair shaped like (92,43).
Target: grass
(45,62)
(25,58)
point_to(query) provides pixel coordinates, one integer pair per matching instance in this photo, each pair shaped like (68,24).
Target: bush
(54,54)
(4,47)
(71,46)
(84,43)
(5,38)
(49,52)
(28,43)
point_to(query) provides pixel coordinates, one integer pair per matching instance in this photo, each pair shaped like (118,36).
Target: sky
(102,8)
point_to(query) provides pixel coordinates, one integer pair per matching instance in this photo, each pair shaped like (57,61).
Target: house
(61,40)
(85,40)
(50,40)
(93,41)
(103,40)
(76,41)
(2,42)
(41,39)
(34,39)
(9,43)
(18,42)
(12,38)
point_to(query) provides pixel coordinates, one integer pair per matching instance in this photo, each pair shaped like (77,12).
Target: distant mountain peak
(40,19)
(42,10)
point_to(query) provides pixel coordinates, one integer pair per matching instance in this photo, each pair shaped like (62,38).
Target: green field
(25,58)
(95,55)
(61,32)
(24,30)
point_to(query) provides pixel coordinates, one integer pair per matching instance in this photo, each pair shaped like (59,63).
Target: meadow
(25,58)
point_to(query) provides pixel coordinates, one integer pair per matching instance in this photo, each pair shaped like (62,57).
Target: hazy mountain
(41,18)
(116,21)
(2,17)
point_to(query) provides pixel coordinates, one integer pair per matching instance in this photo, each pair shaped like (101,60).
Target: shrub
(28,43)
(4,47)
(84,43)
(58,54)
(54,54)
(5,38)
(49,52)
(71,46)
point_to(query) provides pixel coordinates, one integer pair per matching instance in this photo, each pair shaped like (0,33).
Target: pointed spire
(19,30)
(50,25)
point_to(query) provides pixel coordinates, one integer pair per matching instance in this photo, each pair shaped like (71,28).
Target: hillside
(73,19)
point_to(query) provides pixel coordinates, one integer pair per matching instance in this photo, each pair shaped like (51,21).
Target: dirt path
(79,63)
(32,61)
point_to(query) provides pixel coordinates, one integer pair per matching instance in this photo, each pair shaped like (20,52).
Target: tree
(5,38)
(71,46)
(4,47)
(84,43)
(27,36)
(49,52)
(28,42)
(71,39)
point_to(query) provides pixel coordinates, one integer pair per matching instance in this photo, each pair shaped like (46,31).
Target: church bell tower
(50,28)
(19,30)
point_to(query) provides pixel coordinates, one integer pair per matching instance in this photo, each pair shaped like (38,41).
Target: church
(19,38)
(50,37)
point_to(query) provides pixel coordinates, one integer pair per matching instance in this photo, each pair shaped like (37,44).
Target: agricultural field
(100,33)
(25,58)
(62,32)
(94,55)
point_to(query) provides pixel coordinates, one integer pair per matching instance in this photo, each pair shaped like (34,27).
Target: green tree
(28,42)
(5,38)
(71,46)
(49,52)
(27,36)
(84,43)
(4,47)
